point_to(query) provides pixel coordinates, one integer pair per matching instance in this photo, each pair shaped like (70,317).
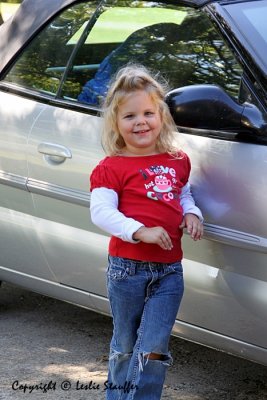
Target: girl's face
(139,123)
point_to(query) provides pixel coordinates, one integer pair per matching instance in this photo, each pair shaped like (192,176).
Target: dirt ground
(61,351)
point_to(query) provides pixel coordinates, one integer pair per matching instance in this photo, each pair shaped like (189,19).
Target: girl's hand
(194,226)
(156,235)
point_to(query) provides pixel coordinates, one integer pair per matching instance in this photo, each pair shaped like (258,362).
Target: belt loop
(132,268)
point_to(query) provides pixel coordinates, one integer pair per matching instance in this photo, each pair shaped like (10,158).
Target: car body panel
(16,207)
(230,263)
(67,216)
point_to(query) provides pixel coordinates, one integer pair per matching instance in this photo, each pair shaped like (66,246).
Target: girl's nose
(141,120)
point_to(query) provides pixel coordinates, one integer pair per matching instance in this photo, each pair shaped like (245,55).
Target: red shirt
(148,189)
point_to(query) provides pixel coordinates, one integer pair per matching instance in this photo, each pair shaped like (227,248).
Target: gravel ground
(63,349)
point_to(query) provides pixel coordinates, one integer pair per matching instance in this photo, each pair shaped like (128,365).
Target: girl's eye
(149,113)
(128,116)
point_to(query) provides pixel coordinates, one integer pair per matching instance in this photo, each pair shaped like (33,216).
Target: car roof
(33,14)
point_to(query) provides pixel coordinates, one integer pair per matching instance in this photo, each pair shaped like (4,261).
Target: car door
(20,254)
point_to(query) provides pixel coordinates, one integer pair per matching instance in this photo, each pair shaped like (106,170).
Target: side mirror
(210,107)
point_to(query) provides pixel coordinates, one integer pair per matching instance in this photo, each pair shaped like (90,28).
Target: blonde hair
(127,80)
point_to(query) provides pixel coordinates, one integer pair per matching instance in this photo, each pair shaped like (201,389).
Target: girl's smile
(139,123)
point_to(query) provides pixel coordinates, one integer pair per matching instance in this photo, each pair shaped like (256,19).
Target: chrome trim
(13,180)
(79,197)
(235,238)
(215,233)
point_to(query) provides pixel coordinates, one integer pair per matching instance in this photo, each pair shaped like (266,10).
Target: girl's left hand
(194,226)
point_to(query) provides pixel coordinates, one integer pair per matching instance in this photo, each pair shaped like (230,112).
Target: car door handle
(54,152)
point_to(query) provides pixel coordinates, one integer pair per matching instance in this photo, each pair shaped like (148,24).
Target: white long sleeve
(105,214)
(188,203)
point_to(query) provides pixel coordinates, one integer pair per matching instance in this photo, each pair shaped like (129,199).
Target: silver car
(56,61)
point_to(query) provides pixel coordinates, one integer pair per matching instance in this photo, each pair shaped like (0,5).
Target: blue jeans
(144,299)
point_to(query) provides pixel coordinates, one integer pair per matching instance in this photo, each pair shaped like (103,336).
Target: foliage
(13,1)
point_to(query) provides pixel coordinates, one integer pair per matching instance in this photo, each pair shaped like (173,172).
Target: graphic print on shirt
(163,182)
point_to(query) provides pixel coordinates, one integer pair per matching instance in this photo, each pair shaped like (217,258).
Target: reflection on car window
(179,42)
(252,16)
(42,64)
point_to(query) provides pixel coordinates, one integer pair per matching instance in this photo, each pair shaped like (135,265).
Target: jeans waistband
(133,264)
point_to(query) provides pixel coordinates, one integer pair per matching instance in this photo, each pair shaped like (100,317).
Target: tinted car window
(180,42)
(75,56)
(252,16)
(42,64)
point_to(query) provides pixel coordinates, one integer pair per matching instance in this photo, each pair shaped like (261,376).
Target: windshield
(251,20)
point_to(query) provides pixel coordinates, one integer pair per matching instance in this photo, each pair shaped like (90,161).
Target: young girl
(141,196)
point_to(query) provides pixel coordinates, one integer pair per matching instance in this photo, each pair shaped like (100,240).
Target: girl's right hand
(156,235)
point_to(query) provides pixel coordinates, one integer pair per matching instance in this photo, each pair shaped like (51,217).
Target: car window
(180,42)
(75,55)
(42,64)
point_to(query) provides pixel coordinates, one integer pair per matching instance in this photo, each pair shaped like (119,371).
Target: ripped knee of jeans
(115,355)
(145,357)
